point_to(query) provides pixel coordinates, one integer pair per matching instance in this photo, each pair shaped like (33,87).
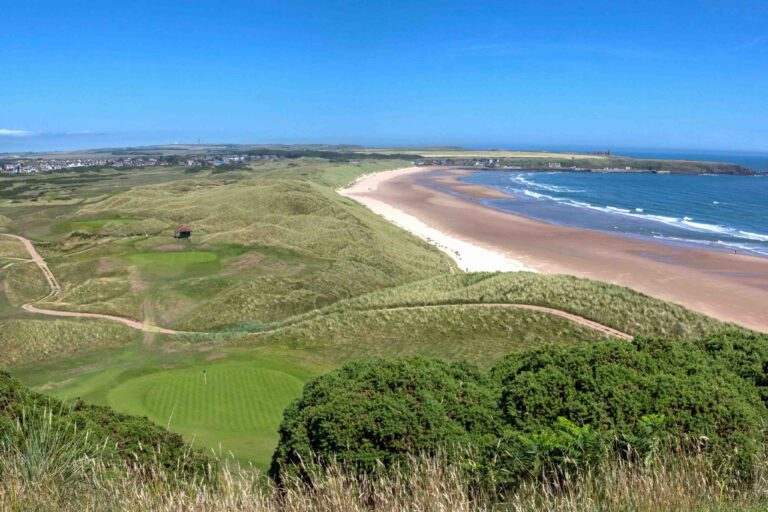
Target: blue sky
(554,74)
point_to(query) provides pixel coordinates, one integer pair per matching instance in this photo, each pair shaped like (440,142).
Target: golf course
(281,280)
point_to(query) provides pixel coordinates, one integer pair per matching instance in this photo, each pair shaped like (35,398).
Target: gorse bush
(558,408)
(381,411)
(611,386)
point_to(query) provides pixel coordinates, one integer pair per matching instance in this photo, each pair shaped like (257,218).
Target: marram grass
(46,472)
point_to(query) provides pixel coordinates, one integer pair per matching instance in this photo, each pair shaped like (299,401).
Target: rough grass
(615,306)
(289,214)
(318,248)
(12,248)
(23,282)
(28,340)
(45,474)
(477,334)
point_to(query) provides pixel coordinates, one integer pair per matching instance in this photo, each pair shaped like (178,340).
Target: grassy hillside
(26,339)
(264,247)
(283,278)
(456,333)
(611,305)
(308,345)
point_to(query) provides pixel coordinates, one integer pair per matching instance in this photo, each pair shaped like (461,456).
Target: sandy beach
(730,287)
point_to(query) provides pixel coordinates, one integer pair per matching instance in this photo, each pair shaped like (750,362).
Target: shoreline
(469,257)
(729,287)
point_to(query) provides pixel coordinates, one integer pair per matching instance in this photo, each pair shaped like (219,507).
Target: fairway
(235,405)
(172,259)
(93,225)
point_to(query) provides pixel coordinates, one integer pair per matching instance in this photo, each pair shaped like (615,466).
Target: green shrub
(744,352)
(543,413)
(112,437)
(614,387)
(382,410)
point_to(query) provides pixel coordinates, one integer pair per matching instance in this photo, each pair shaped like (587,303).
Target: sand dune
(730,287)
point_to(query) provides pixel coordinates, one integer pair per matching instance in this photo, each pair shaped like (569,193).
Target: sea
(722,212)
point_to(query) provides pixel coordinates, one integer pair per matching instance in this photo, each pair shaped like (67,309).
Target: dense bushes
(612,386)
(382,410)
(561,406)
(97,431)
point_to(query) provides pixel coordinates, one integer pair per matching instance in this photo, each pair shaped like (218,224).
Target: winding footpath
(55,290)
(580,320)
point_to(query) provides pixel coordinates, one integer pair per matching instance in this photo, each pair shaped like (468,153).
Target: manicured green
(172,261)
(234,406)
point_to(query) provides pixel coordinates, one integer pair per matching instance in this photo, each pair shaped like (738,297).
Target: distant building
(182,232)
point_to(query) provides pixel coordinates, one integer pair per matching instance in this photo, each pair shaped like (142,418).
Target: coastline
(729,287)
(469,256)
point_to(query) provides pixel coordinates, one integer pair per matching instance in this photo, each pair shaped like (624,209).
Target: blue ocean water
(715,211)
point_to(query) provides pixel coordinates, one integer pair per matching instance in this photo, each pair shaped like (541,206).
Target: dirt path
(580,320)
(143,326)
(40,262)
(56,290)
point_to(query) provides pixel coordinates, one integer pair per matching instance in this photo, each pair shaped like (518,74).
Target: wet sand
(730,287)
(451,180)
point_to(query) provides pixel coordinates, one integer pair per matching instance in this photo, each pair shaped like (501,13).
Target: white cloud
(15,133)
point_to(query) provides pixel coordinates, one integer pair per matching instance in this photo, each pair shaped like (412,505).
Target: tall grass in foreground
(47,472)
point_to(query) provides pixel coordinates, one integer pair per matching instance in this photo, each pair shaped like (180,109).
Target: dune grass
(12,248)
(477,334)
(615,306)
(310,246)
(25,340)
(23,282)
(46,473)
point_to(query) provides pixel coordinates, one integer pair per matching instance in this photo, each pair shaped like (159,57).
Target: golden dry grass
(28,340)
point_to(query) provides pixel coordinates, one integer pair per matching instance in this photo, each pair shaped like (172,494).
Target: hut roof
(183,229)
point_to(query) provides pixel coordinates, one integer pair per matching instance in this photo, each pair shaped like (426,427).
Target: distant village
(497,163)
(26,166)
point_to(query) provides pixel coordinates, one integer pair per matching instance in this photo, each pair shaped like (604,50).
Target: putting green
(172,259)
(234,406)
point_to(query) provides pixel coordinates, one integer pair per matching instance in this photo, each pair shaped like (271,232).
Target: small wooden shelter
(182,232)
